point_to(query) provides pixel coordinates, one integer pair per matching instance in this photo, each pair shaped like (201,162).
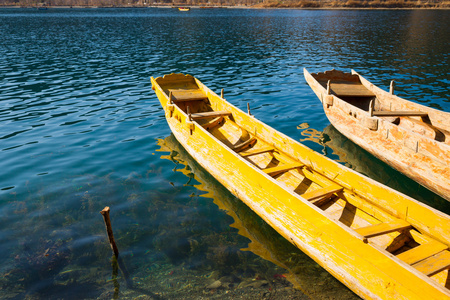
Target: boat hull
(425,160)
(369,271)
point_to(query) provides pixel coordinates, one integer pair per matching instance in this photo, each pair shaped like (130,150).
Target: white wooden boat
(412,138)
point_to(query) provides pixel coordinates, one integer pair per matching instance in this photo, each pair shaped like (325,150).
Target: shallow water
(81,129)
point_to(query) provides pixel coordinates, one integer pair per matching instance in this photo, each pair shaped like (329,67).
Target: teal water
(81,129)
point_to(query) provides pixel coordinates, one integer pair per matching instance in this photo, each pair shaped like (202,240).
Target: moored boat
(380,243)
(412,138)
(184,8)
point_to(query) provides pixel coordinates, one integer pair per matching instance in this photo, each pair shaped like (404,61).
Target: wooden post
(371,108)
(188,113)
(248,109)
(105,214)
(328,87)
(391,88)
(170,98)
(221,94)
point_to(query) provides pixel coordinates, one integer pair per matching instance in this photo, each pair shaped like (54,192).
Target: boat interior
(349,88)
(349,207)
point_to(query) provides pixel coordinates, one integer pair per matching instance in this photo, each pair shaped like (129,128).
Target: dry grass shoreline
(357,4)
(272,6)
(257,4)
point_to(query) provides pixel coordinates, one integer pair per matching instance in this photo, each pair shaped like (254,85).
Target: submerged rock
(216,284)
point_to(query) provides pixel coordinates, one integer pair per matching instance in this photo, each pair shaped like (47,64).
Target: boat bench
(429,258)
(318,196)
(434,264)
(422,252)
(281,169)
(399,113)
(258,151)
(383,228)
(244,145)
(181,95)
(350,90)
(210,114)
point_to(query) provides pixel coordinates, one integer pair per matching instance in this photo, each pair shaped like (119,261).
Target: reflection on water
(356,158)
(265,242)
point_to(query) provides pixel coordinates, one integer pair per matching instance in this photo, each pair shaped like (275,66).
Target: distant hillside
(228,3)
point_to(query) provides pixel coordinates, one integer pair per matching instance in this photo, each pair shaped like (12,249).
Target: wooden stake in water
(105,214)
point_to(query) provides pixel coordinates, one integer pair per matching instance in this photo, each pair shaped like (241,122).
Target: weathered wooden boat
(412,138)
(380,243)
(184,8)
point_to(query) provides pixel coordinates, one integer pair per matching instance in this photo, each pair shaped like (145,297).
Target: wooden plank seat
(318,196)
(213,123)
(181,95)
(382,228)
(393,120)
(257,151)
(281,169)
(400,113)
(210,114)
(434,264)
(422,252)
(350,90)
(246,144)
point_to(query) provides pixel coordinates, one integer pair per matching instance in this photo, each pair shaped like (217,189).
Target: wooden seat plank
(180,95)
(246,144)
(213,123)
(382,228)
(422,252)
(257,151)
(434,264)
(284,168)
(350,90)
(400,113)
(324,192)
(210,114)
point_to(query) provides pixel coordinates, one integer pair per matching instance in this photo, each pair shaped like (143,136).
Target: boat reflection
(338,147)
(265,242)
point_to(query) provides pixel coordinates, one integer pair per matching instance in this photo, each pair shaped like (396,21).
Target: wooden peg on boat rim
(221,93)
(189,122)
(188,113)
(328,87)
(391,88)
(371,108)
(112,242)
(170,97)
(248,109)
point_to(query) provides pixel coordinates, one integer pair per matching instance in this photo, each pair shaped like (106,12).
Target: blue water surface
(81,129)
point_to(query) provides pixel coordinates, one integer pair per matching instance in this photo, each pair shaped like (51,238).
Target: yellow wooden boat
(412,138)
(184,8)
(378,242)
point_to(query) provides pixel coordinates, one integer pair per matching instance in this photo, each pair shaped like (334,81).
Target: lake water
(81,129)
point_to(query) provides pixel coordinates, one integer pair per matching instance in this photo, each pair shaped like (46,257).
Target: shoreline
(232,7)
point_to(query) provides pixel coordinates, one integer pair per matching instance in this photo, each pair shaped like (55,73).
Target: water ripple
(79,123)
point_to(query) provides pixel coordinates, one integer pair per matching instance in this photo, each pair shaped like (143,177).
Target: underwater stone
(216,284)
